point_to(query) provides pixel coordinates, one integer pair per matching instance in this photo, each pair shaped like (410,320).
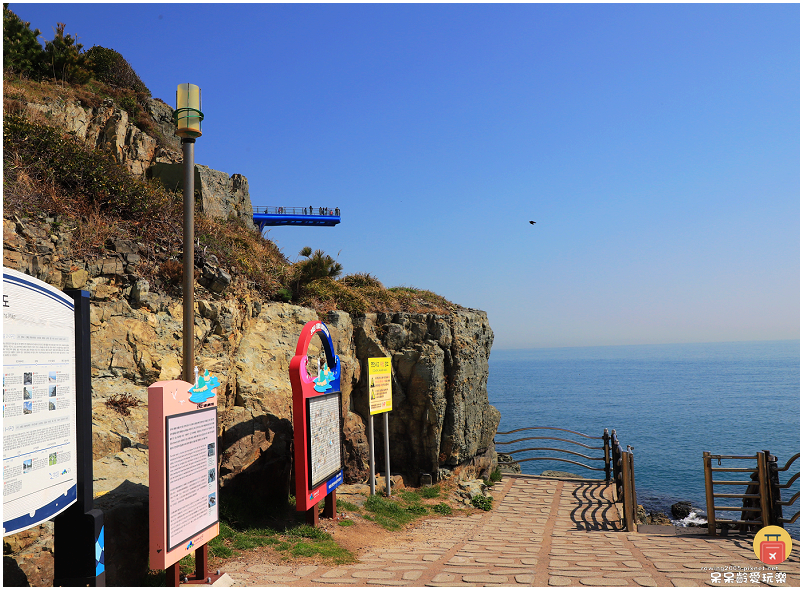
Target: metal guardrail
(616,462)
(779,520)
(325,211)
(761,500)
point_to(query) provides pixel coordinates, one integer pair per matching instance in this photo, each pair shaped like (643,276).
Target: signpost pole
(386,453)
(330,505)
(371,457)
(379,397)
(78,531)
(188,260)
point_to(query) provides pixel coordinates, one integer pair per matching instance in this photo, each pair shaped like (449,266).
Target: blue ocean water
(671,402)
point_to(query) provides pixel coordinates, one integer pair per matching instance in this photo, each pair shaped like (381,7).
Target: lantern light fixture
(187,113)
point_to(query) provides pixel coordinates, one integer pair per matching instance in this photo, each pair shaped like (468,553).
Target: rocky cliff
(441,419)
(108,128)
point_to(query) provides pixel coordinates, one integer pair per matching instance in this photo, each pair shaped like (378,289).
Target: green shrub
(443,508)
(496,475)
(362,279)
(111,68)
(482,502)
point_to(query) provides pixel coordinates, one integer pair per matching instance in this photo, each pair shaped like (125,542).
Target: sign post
(380,402)
(47,424)
(184,512)
(317,415)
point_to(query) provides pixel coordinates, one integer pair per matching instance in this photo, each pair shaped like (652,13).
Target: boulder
(511,465)
(681,509)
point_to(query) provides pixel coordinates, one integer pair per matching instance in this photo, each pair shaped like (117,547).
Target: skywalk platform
(302,216)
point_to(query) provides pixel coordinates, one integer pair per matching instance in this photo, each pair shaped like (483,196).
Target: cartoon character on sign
(205,387)
(323,381)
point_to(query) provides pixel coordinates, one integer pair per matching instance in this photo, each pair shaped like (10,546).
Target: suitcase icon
(772,552)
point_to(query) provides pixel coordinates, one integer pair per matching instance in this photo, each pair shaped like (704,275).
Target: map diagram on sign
(324,434)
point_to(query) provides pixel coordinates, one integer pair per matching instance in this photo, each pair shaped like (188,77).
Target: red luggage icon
(772,552)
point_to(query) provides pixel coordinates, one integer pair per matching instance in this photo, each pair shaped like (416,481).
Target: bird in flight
(532,222)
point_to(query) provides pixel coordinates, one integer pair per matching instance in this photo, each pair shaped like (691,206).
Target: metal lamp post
(187,117)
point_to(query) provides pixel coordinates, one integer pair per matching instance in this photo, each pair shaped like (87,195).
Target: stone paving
(541,532)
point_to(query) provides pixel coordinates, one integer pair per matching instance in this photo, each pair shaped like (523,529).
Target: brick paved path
(541,532)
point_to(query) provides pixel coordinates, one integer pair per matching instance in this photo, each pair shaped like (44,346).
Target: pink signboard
(317,420)
(184,514)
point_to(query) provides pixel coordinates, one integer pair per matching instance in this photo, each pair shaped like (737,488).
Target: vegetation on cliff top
(49,171)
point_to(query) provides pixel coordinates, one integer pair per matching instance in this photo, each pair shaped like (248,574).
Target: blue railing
(313,216)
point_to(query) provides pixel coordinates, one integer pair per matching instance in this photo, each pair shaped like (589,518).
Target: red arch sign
(317,417)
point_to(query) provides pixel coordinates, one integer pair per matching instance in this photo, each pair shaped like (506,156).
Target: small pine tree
(22,52)
(316,265)
(64,59)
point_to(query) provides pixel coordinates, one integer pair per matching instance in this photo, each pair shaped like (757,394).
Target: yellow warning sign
(380,385)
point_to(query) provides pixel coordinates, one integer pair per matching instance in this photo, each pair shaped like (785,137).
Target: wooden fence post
(763,489)
(615,461)
(634,502)
(627,498)
(775,509)
(712,518)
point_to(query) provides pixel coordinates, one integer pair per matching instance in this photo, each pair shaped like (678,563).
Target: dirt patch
(354,532)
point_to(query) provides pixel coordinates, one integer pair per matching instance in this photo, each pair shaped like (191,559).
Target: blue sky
(656,147)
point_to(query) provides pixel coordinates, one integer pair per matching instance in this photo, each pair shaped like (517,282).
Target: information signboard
(380,385)
(39,410)
(324,437)
(317,420)
(184,512)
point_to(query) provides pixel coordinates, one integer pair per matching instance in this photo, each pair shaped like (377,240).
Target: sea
(670,402)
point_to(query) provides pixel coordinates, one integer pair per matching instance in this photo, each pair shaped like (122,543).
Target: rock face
(441,417)
(109,128)
(441,420)
(217,194)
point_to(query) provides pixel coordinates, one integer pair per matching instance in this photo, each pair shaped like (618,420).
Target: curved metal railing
(616,462)
(605,438)
(779,519)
